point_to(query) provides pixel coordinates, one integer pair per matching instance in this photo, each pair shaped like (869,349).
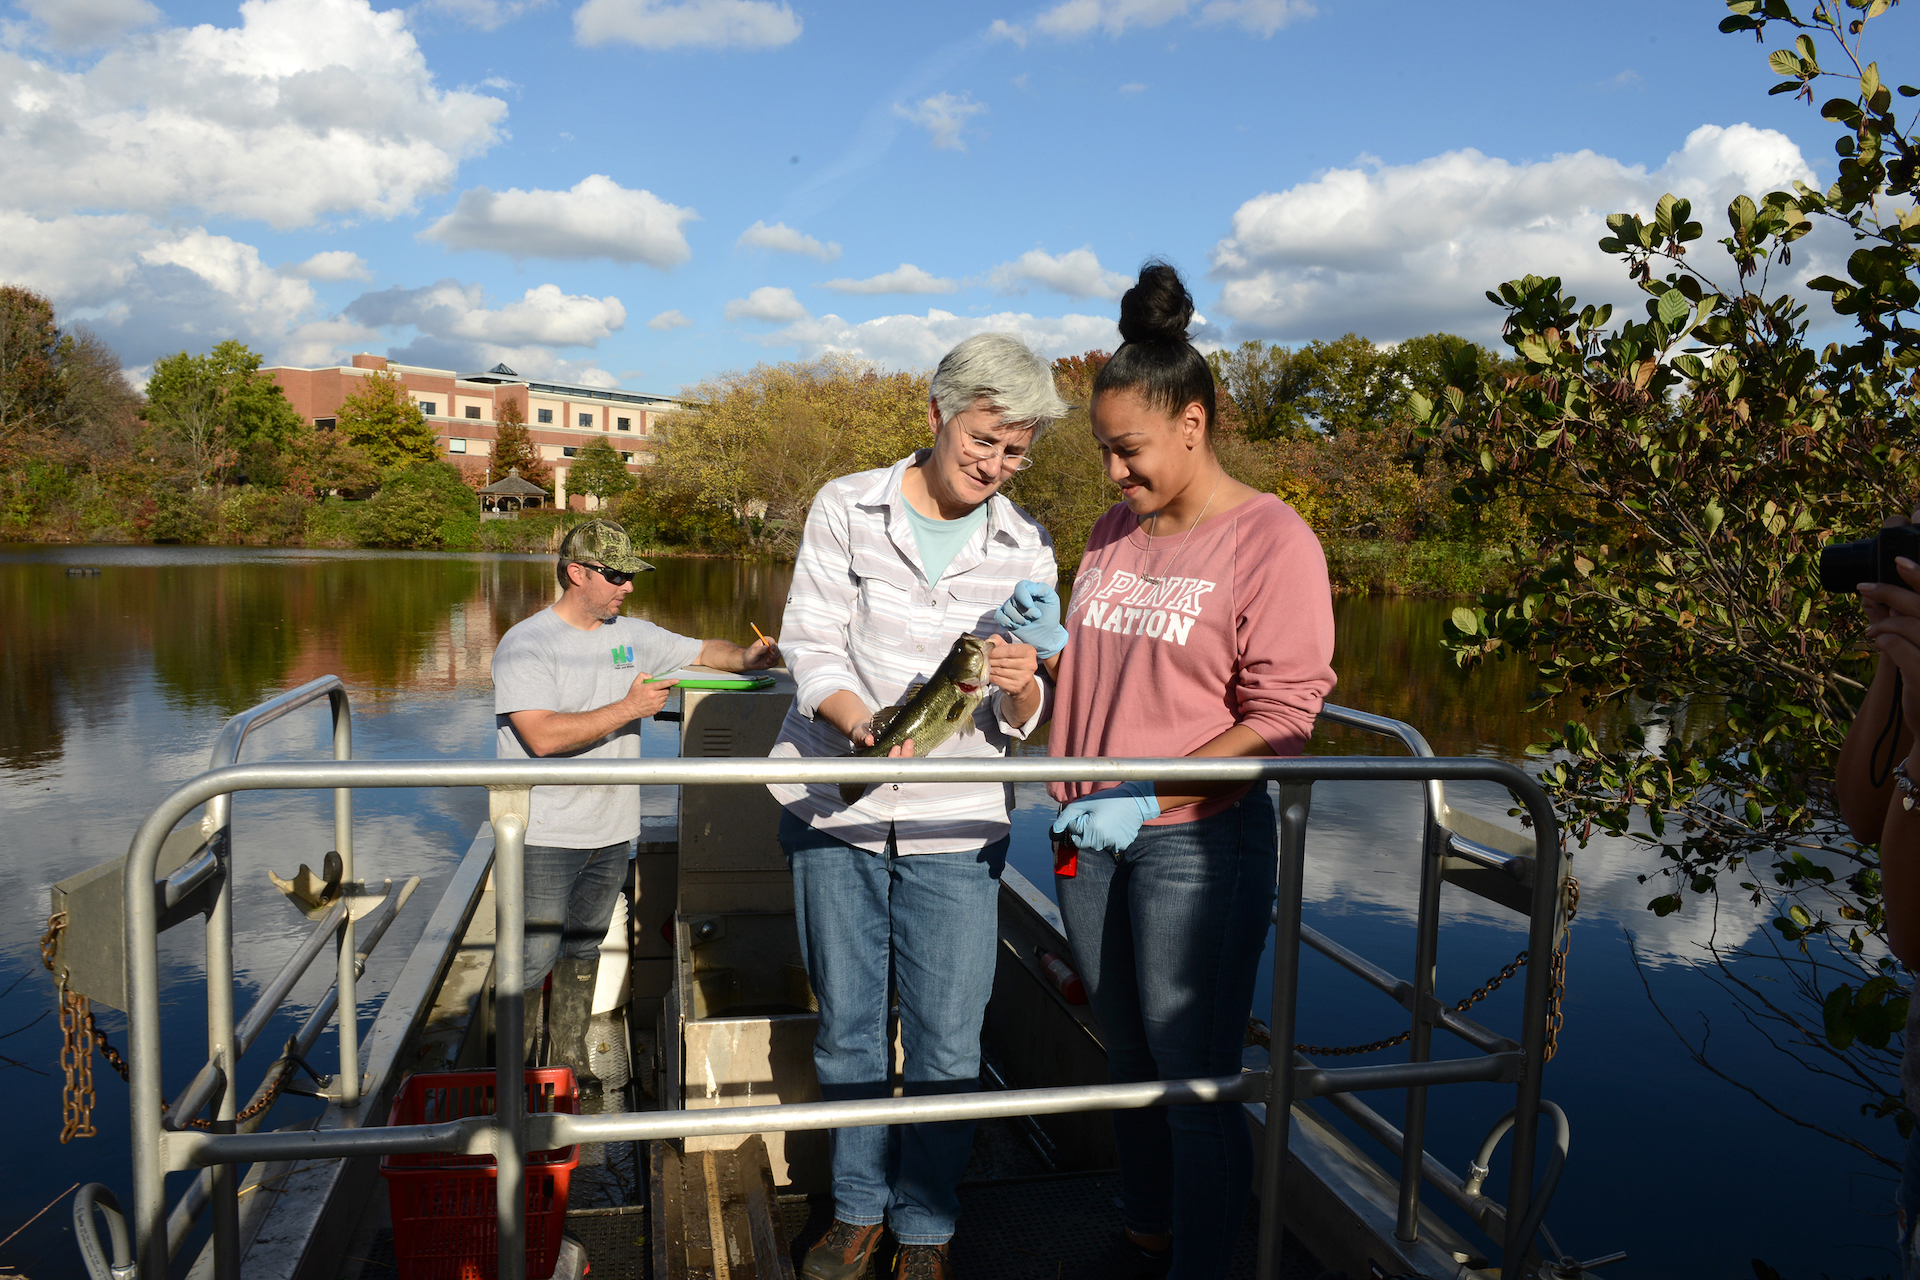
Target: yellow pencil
(761,634)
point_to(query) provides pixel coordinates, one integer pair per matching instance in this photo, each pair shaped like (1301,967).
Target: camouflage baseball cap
(602,542)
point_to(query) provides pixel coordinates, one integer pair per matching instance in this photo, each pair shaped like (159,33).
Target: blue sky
(650,192)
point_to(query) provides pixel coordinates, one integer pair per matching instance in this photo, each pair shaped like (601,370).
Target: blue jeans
(1167,936)
(930,923)
(570,898)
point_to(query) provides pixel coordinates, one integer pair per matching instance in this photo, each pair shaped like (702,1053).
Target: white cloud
(89,24)
(781,238)
(151,290)
(1407,249)
(598,218)
(905,278)
(308,108)
(918,342)
(669,320)
(486,15)
(943,116)
(451,310)
(334,264)
(711,24)
(1132,87)
(1077,274)
(452,327)
(1075,18)
(767,303)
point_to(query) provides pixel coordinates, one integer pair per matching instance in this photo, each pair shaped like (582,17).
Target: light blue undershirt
(940,540)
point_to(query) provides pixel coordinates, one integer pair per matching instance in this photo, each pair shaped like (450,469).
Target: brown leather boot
(842,1253)
(922,1262)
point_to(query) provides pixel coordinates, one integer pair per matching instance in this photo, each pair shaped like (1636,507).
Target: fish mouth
(968,687)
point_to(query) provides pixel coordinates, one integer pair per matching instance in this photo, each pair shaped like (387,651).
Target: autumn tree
(29,365)
(1269,384)
(513,448)
(384,422)
(597,470)
(229,419)
(758,445)
(320,462)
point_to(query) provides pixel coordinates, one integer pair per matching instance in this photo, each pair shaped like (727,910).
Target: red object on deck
(1062,976)
(445,1223)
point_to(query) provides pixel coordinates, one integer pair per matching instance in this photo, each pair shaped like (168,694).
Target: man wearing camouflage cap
(572,681)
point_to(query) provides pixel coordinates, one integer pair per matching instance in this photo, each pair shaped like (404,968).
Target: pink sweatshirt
(1239,630)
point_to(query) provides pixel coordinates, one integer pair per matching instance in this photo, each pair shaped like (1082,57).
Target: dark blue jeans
(926,925)
(1167,937)
(570,899)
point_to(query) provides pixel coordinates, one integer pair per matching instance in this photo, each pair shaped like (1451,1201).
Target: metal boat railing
(159,1147)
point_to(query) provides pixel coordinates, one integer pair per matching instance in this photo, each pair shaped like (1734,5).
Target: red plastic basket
(445,1219)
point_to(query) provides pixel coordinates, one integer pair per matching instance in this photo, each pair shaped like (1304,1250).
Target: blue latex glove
(1032,615)
(1109,819)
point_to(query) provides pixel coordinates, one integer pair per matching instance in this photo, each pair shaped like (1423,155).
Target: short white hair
(1003,371)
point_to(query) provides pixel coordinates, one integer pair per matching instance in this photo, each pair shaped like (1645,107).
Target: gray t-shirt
(543,664)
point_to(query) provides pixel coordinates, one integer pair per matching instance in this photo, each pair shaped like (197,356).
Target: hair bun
(1158,308)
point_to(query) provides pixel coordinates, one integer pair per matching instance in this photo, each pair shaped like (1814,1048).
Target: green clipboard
(745,680)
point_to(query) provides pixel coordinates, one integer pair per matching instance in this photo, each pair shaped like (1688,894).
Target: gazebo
(509,495)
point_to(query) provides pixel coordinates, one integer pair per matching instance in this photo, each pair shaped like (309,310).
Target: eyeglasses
(614,577)
(974,449)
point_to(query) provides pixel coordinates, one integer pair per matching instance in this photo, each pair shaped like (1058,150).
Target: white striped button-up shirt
(862,616)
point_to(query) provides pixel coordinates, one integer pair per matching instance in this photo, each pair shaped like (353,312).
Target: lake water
(113,687)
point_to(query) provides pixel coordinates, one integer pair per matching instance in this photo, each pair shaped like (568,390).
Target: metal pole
(149,1203)
(510,809)
(223,1053)
(1543,933)
(1295,802)
(344,982)
(1426,954)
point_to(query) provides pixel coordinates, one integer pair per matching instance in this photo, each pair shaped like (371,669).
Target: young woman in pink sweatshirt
(1201,625)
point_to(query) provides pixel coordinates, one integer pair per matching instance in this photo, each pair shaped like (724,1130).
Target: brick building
(561,417)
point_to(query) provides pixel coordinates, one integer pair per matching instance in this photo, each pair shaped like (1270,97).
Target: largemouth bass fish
(942,707)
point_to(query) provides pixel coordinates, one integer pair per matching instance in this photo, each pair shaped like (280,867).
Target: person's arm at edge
(1863,806)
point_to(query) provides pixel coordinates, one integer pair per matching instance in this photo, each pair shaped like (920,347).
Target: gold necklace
(1146,556)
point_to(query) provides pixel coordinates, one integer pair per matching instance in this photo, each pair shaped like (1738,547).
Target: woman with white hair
(899,887)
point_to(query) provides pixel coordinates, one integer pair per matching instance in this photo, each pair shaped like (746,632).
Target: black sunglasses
(614,577)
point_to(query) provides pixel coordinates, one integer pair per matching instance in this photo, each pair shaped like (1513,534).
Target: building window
(456,445)
(625,424)
(473,411)
(323,424)
(626,457)
(586,419)
(546,415)
(430,407)
(568,452)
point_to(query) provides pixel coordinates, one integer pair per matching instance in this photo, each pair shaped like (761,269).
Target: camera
(1845,565)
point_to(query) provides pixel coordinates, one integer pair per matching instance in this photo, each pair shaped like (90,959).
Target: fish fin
(958,709)
(850,792)
(884,717)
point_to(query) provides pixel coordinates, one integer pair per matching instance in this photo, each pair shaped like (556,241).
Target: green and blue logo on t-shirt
(622,657)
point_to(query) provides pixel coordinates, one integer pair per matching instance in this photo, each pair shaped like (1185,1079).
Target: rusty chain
(77,1025)
(1257,1032)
